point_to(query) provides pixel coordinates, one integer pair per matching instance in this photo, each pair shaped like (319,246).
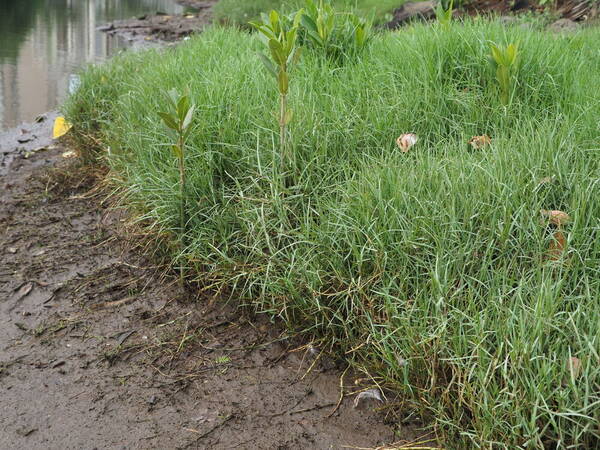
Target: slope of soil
(98,350)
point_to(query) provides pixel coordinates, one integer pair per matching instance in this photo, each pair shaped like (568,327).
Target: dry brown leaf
(406,141)
(69,154)
(547,180)
(373,394)
(478,142)
(114,304)
(574,366)
(556,217)
(24,290)
(557,246)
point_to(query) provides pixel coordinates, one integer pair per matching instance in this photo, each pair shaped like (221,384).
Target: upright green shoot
(279,34)
(179,120)
(319,22)
(336,34)
(505,61)
(444,11)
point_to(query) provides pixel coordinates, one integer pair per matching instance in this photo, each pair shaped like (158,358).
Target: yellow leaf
(61,127)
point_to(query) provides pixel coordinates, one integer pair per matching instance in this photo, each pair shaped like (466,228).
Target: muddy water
(43,43)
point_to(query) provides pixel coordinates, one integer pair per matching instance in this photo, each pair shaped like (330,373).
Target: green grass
(433,257)
(241,12)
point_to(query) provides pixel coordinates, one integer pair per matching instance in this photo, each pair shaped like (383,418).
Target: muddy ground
(100,348)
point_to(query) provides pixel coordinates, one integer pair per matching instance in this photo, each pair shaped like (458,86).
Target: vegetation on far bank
(240,13)
(434,269)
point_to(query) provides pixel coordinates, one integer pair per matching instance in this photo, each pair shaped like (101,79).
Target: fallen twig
(341,393)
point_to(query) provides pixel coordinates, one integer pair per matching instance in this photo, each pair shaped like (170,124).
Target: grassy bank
(240,13)
(430,268)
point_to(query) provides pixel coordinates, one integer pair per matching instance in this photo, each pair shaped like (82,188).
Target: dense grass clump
(430,268)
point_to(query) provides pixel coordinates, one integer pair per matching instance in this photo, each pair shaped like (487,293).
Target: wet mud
(101,348)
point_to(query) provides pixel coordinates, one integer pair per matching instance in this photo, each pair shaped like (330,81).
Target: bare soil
(100,349)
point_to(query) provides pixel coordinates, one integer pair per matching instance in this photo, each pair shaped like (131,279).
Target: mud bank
(99,349)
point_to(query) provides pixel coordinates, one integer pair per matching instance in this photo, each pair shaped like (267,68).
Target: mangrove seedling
(504,60)
(444,11)
(319,22)
(279,35)
(336,35)
(179,120)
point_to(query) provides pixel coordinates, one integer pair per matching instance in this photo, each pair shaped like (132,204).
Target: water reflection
(43,42)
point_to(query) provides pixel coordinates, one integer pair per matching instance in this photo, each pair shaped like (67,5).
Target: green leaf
(283,82)
(274,20)
(169,120)
(182,107)
(287,118)
(273,17)
(268,64)
(264,31)
(496,54)
(295,56)
(291,39)
(177,151)
(277,52)
(360,37)
(309,24)
(315,37)
(511,52)
(297,18)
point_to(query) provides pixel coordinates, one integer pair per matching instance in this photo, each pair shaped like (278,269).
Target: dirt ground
(100,350)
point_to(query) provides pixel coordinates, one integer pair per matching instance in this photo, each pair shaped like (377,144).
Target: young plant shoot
(179,121)
(279,34)
(444,11)
(337,35)
(504,60)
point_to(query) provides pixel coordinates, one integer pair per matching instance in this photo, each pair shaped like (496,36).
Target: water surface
(43,43)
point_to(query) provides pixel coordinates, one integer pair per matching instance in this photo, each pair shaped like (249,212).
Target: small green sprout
(444,11)
(279,35)
(179,121)
(337,35)
(505,61)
